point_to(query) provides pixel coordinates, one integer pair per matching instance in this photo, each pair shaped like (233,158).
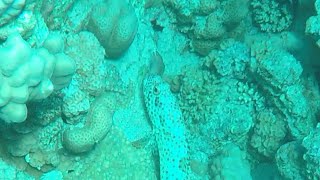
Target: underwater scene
(159,90)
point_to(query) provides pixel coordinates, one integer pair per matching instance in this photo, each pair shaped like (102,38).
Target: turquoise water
(159,89)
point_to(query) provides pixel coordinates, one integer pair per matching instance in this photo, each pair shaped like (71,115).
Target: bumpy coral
(115,24)
(272,16)
(268,133)
(98,124)
(168,126)
(114,158)
(206,23)
(10,9)
(280,74)
(312,24)
(232,59)
(198,91)
(88,56)
(16,16)
(75,103)
(25,76)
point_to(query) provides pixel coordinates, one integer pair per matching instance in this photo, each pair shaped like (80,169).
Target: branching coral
(279,73)
(268,133)
(207,23)
(272,16)
(312,24)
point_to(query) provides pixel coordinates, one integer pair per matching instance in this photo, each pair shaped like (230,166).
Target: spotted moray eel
(168,126)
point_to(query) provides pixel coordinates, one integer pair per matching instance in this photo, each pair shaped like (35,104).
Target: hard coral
(272,16)
(10,9)
(25,75)
(98,124)
(115,24)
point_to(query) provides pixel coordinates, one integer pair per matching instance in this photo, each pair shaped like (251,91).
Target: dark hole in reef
(156,26)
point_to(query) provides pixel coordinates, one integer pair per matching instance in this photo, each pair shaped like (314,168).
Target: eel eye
(156,91)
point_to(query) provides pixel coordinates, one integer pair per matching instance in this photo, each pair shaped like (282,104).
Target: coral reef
(159,89)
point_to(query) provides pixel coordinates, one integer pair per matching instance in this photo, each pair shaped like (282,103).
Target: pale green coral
(115,24)
(268,133)
(26,75)
(98,124)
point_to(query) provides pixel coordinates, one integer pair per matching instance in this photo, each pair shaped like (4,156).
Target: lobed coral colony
(160,89)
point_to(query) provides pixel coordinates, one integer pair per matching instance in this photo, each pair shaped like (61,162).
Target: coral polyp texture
(115,24)
(159,89)
(98,124)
